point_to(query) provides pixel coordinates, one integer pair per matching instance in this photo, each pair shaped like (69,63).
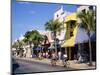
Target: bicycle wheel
(67,64)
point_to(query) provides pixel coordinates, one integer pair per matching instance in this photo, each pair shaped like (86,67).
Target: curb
(72,64)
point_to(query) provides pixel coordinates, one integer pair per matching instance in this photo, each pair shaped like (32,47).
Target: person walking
(46,54)
(64,59)
(53,59)
(59,55)
(40,55)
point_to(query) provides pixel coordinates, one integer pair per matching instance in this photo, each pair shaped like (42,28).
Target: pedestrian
(46,54)
(65,59)
(40,55)
(53,59)
(64,56)
(59,55)
(43,55)
(53,56)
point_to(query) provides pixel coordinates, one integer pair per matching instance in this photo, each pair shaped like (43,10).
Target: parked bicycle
(53,62)
(53,59)
(65,61)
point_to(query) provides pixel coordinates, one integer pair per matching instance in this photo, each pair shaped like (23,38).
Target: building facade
(75,36)
(71,31)
(60,14)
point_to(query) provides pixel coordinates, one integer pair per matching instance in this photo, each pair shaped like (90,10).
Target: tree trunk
(79,51)
(90,49)
(55,48)
(31,50)
(30,43)
(55,42)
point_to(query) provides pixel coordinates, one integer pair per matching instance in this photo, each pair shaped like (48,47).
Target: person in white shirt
(64,59)
(59,55)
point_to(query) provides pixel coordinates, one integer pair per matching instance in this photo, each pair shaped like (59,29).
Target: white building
(60,14)
(48,34)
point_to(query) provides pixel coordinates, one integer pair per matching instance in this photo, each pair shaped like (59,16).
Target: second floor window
(57,15)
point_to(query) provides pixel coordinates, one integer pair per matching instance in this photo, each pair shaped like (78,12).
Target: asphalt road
(22,66)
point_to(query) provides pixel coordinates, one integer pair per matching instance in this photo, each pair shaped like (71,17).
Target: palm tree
(27,37)
(45,42)
(33,37)
(88,21)
(18,45)
(15,45)
(55,27)
(36,37)
(20,42)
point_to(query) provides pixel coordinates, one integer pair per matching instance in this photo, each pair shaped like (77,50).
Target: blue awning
(82,36)
(38,48)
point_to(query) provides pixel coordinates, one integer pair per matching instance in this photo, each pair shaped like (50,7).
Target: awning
(69,43)
(38,48)
(79,36)
(82,36)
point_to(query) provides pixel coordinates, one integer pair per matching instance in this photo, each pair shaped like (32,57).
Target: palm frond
(53,25)
(88,19)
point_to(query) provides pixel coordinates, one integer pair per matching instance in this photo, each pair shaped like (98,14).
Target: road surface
(23,66)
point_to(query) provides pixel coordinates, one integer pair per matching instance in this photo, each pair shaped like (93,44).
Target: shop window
(72,24)
(71,34)
(57,15)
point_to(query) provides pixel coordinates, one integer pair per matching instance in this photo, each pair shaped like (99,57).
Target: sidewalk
(59,63)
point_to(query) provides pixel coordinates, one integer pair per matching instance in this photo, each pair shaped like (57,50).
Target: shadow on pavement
(15,65)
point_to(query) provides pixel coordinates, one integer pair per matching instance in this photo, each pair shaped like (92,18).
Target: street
(24,66)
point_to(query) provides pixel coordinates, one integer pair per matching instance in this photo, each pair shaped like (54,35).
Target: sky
(33,15)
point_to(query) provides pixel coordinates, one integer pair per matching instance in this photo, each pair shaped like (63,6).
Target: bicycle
(53,62)
(66,63)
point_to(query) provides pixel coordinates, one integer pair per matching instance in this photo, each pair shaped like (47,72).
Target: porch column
(69,53)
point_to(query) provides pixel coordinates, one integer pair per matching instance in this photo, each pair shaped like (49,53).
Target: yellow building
(71,31)
(75,44)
